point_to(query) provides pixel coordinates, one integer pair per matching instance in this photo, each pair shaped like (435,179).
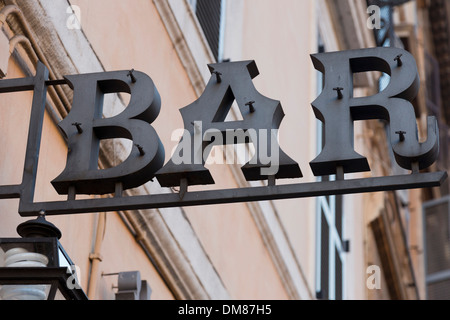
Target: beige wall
(121,252)
(228,233)
(15,108)
(280,39)
(137,39)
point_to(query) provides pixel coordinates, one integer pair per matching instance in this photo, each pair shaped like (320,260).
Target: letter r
(337,109)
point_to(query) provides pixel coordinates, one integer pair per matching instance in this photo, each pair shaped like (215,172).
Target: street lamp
(36,267)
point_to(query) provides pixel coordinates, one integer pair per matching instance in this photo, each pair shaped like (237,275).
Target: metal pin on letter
(250,105)
(131,75)
(401,135)
(78,126)
(141,150)
(399,60)
(339,92)
(218,74)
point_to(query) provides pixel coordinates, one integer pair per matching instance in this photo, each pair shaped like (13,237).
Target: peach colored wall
(228,233)
(14,120)
(230,237)
(280,37)
(126,36)
(78,230)
(120,252)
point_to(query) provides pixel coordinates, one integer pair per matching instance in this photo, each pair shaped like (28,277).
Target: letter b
(85,127)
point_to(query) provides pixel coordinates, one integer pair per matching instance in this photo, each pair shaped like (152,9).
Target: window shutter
(208,14)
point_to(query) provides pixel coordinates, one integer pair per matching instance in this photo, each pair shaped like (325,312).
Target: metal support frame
(267,114)
(234,195)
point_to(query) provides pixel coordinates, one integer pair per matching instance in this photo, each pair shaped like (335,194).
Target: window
(330,254)
(385,36)
(330,249)
(437,248)
(211,16)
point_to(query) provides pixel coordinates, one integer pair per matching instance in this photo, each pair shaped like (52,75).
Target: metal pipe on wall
(95,257)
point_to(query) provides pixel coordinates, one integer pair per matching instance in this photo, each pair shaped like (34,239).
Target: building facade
(361,246)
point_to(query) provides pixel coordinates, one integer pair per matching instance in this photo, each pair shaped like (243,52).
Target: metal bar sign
(205,127)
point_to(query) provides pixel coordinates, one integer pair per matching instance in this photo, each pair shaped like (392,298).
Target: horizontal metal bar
(39,275)
(17,84)
(438,276)
(55,82)
(222,196)
(29,274)
(10,192)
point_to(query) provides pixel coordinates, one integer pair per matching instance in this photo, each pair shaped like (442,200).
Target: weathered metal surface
(222,196)
(205,123)
(85,127)
(392,105)
(205,118)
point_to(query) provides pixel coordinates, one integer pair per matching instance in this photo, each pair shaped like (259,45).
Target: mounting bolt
(250,105)
(218,74)
(399,60)
(141,150)
(131,75)
(401,134)
(339,92)
(78,125)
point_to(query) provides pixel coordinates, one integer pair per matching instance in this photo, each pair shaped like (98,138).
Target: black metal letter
(85,127)
(338,111)
(203,118)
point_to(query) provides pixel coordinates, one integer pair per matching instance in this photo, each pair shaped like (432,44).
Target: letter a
(231,81)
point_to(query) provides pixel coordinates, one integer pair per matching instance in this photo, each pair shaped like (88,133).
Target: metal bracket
(232,81)
(234,195)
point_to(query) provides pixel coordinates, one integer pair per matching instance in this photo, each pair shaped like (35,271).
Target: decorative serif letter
(85,127)
(337,109)
(205,126)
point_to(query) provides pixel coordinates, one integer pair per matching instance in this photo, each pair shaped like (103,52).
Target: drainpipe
(95,257)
